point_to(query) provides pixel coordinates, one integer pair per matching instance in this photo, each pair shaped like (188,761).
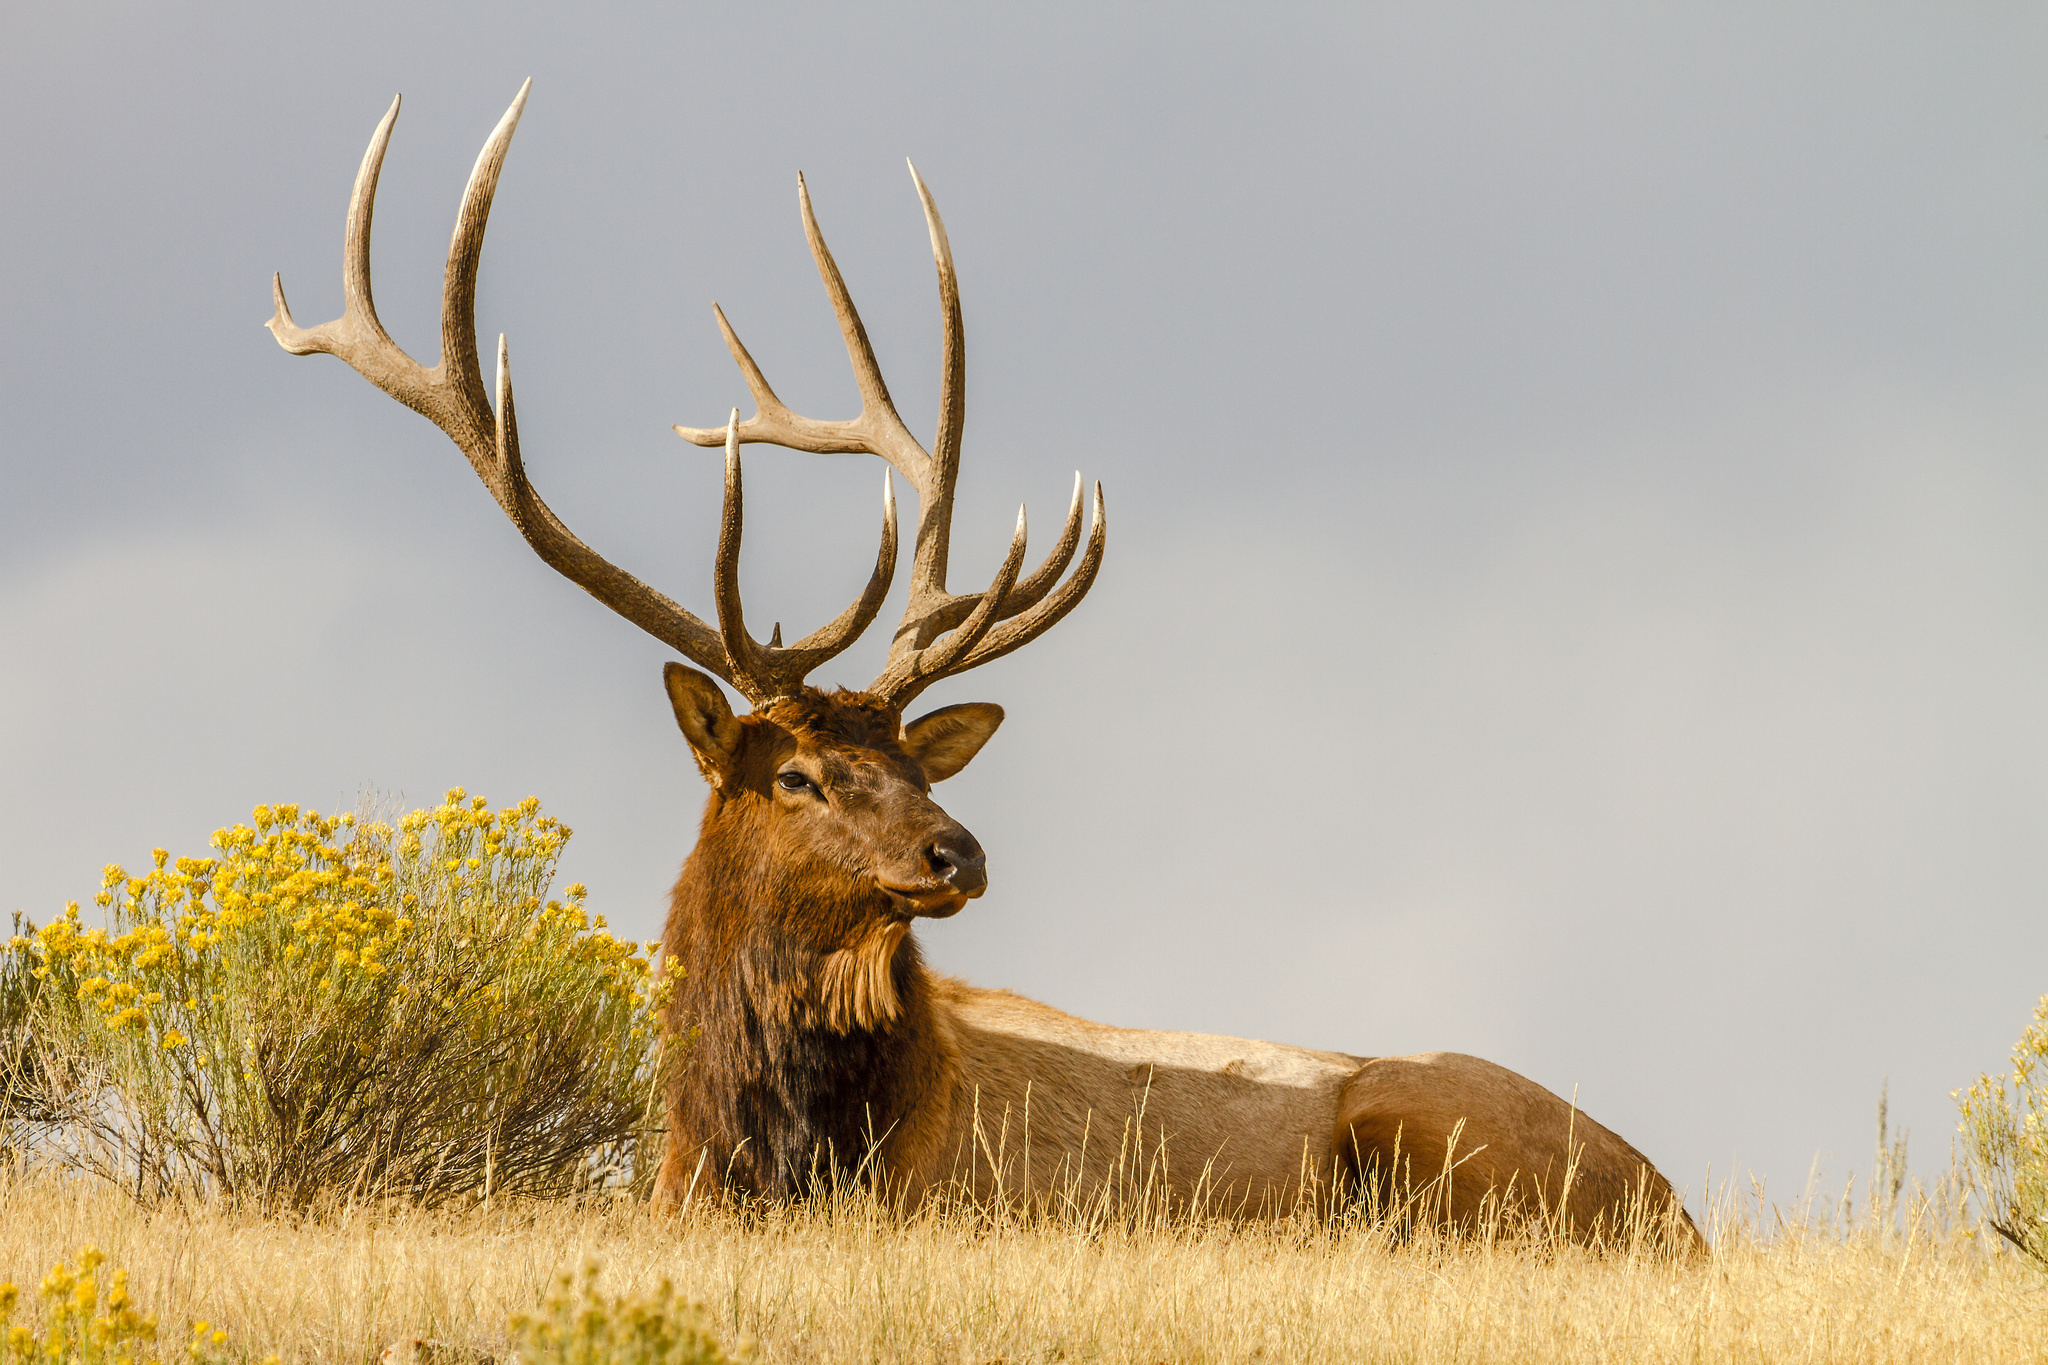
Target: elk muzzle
(955,872)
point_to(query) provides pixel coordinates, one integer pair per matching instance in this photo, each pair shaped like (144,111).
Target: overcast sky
(1576,587)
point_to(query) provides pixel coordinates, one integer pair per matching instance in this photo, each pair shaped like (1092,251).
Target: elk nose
(957,860)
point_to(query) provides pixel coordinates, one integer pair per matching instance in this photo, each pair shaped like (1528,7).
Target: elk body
(824,1046)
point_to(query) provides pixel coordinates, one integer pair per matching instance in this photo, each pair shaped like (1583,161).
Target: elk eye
(792,781)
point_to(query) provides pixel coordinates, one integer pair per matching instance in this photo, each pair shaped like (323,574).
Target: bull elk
(825,1044)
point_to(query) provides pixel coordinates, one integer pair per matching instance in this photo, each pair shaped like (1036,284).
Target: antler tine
(748,675)
(458,369)
(1027,593)
(985,637)
(451,395)
(560,549)
(906,676)
(830,639)
(935,514)
(877,409)
(953,609)
(764,672)
(356,336)
(1017,633)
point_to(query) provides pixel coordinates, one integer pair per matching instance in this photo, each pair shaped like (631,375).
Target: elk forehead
(839,721)
(851,743)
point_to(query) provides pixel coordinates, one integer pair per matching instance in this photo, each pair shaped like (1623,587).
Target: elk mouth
(927,902)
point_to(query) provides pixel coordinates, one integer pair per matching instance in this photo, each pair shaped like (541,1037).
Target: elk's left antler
(942,633)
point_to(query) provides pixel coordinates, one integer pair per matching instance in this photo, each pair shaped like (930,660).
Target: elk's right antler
(942,633)
(451,395)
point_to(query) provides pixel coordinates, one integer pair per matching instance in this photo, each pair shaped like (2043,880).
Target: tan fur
(853,987)
(1485,1140)
(1036,1107)
(1045,1107)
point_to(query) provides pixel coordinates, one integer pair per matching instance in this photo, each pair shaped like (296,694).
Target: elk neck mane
(814,1017)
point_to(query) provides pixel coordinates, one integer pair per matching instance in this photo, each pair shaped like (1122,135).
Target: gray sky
(1576,591)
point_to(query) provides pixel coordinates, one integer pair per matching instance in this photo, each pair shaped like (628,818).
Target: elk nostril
(957,862)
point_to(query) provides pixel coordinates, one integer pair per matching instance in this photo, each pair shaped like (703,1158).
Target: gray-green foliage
(2005,1141)
(21,1082)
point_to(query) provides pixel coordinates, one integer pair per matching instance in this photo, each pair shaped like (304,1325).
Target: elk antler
(942,633)
(451,395)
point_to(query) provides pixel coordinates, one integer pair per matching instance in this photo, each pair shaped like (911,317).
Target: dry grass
(842,1283)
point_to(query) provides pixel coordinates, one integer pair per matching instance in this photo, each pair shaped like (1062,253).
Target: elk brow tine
(955,608)
(832,638)
(937,660)
(1015,634)
(465,250)
(748,675)
(1028,592)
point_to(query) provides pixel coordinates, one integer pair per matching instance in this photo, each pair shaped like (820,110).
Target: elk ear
(945,740)
(707,720)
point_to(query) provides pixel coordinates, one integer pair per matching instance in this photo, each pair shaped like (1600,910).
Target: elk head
(815,792)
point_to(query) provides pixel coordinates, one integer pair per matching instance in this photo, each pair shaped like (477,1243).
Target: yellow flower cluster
(83,1328)
(2007,1097)
(79,1328)
(329,903)
(573,1327)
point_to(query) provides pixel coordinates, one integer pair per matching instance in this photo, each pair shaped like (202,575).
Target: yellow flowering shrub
(576,1325)
(331,1005)
(85,1325)
(23,1084)
(2005,1141)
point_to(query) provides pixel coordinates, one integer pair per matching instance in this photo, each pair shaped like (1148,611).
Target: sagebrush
(334,1007)
(2005,1141)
